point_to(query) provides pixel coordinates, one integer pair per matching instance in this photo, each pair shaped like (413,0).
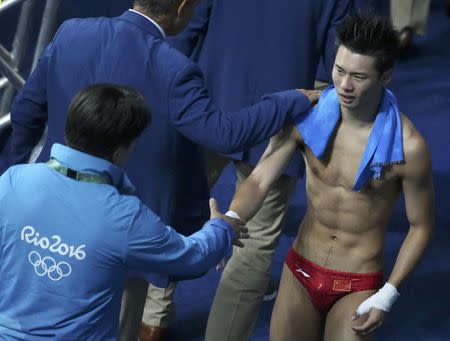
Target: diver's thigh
(338,326)
(294,317)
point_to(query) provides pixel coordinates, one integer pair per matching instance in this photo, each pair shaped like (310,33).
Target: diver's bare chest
(340,163)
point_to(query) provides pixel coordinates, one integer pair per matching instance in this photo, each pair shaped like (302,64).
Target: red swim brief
(326,286)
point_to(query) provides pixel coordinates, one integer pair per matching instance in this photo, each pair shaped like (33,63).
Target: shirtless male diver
(360,155)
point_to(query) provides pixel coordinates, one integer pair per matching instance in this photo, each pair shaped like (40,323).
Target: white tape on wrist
(233,214)
(383,300)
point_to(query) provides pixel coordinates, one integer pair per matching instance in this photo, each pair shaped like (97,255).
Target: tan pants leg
(410,13)
(245,278)
(133,299)
(159,307)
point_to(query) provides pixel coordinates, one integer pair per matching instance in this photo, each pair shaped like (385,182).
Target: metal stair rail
(11,79)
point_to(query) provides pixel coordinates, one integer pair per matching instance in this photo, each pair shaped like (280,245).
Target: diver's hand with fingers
(240,231)
(374,320)
(313,95)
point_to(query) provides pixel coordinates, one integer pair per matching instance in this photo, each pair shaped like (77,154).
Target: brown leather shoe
(152,333)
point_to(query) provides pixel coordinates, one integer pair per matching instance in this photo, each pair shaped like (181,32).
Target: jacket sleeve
(29,112)
(190,40)
(193,114)
(155,247)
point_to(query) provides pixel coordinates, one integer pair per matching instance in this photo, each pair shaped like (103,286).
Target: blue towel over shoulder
(384,146)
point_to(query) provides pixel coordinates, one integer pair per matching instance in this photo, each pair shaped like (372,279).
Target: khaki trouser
(159,307)
(246,276)
(410,13)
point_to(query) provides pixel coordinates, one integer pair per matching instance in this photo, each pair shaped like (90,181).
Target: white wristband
(383,300)
(233,214)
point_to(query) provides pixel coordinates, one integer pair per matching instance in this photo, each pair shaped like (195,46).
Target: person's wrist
(382,300)
(233,214)
(390,292)
(390,287)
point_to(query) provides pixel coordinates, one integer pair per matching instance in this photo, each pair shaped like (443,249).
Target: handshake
(240,231)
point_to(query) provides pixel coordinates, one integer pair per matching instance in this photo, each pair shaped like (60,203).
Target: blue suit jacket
(253,47)
(167,166)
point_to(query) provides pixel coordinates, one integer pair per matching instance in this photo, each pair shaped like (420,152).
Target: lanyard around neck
(73,174)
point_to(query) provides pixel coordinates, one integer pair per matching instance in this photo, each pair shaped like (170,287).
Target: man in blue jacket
(249,48)
(167,167)
(70,230)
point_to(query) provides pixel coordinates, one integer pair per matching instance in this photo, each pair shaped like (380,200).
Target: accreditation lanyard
(73,174)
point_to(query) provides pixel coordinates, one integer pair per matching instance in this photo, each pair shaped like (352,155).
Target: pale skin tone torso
(342,229)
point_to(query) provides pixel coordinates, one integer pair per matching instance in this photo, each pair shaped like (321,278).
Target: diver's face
(356,79)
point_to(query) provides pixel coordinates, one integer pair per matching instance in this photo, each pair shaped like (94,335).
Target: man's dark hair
(157,7)
(371,35)
(103,117)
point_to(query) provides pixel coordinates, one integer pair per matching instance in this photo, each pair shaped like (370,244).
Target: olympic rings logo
(48,266)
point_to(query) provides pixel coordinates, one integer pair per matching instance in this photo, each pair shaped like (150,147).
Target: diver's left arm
(418,190)
(419,202)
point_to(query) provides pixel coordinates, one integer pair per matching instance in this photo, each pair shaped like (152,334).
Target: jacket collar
(145,23)
(85,163)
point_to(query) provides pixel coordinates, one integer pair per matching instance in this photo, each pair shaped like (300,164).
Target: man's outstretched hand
(240,231)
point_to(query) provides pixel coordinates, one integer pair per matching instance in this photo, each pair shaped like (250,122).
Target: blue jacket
(248,48)
(167,167)
(66,248)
